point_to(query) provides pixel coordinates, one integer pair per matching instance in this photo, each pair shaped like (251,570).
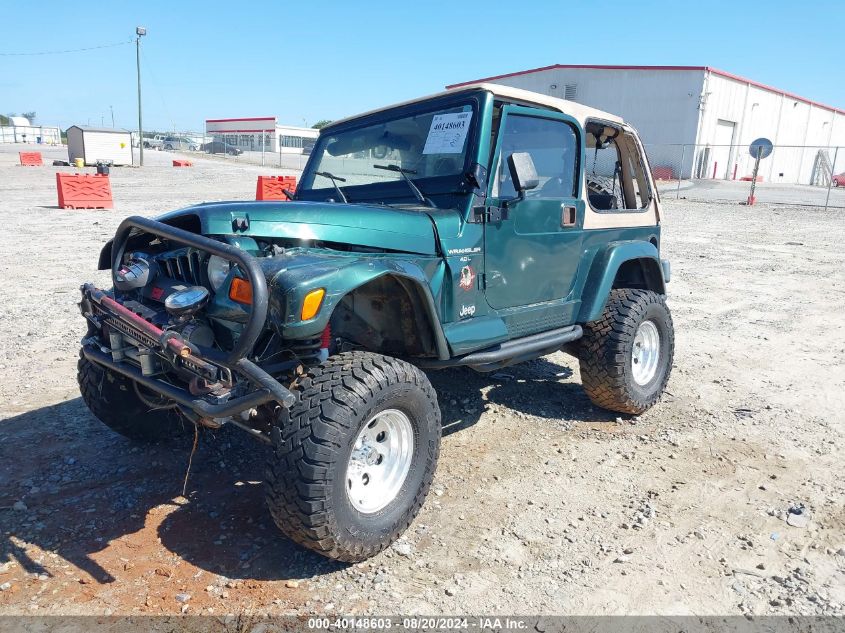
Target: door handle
(567,215)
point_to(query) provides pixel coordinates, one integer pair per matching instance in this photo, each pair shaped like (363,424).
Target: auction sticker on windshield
(447,133)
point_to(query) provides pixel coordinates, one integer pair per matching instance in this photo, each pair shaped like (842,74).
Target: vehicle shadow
(71,487)
(535,388)
(225,528)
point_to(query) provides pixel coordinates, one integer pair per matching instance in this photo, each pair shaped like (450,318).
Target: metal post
(681,172)
(832,174)
(754,177)
(140,31)
(263,137)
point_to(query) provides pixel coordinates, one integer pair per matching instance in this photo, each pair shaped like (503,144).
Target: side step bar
(510,352)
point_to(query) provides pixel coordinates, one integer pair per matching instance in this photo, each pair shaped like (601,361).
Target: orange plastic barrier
(271,187)
(663,173)
(84,191)
(183,163)
(31,159)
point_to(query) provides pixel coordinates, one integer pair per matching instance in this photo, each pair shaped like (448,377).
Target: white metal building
(95,144)
(21,130)
(715,114)
(249,134)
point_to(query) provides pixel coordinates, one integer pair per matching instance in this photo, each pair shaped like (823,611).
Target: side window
(553,146)
(616,179)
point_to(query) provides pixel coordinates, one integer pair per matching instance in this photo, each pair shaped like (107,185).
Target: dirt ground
(541,503)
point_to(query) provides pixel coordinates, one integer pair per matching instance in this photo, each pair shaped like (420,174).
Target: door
(721,156)
(532,251)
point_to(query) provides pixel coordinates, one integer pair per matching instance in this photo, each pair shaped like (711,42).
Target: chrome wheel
(645,353)
(380,461)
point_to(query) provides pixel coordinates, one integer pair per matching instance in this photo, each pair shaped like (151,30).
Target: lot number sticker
(447,133)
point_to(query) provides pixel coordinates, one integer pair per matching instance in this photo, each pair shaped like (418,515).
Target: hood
(362,225)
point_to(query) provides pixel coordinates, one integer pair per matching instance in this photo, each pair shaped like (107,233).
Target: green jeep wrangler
(479,227)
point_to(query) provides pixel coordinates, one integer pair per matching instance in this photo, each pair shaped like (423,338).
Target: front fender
(603,271)
(340,276)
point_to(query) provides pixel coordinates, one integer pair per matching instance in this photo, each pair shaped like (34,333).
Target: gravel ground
(725,498)
(706,190)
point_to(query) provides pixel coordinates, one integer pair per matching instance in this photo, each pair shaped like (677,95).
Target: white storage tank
(99,144)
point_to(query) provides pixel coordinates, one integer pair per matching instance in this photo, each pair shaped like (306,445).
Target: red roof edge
(757,84)
(255,118)
(553,66)
(710,69)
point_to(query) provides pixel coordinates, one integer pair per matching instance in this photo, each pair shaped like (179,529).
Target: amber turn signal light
(311,304)
(241,291)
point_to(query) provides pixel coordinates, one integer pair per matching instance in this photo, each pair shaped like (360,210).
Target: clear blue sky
(315,60)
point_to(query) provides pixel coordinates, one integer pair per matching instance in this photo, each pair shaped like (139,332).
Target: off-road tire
(113,400)
(306,476)
(605,351)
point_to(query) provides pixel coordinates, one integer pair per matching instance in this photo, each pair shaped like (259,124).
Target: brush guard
(201,365)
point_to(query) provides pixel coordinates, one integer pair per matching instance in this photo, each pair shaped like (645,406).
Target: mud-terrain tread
(299,479)
(604,355)
(130,418)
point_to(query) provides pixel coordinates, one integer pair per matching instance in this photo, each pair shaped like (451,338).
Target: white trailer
(99,144)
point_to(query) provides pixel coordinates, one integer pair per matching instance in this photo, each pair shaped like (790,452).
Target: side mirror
(523,172)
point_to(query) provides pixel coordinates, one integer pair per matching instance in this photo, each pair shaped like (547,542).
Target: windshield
(400,159)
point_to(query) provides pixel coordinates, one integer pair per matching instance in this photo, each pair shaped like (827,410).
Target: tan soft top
(576,110)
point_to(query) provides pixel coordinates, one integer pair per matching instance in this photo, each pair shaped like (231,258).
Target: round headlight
(186,301)
(218,270)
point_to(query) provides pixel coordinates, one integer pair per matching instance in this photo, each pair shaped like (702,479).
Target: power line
(72,50)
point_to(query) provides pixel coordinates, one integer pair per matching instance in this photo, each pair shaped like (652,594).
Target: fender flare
(606,265)
(347,279)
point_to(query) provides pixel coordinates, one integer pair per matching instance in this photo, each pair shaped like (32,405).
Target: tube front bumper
(185,359)
(182,397)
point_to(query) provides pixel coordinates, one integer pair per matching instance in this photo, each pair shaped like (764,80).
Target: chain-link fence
(267,148)
(797,175)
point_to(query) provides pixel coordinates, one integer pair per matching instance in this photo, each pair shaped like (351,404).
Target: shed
(95,144)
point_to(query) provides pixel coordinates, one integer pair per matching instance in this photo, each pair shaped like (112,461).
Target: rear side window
(553,146)
(616,177)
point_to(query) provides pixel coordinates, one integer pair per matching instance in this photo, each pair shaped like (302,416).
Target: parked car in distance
(221,147)
(154,142)
(179,143)
(839,180)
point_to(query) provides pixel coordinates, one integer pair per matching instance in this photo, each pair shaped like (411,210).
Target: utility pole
(112,115)
(140,31)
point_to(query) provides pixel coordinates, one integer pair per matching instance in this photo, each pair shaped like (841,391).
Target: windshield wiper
(404,172)
(334,180)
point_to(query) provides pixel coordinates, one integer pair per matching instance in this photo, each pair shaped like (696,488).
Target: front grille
(182,266)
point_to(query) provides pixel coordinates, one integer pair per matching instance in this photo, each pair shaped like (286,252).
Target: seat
(603,201)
